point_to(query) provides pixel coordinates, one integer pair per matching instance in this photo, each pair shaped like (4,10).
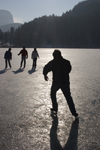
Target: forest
(77,28)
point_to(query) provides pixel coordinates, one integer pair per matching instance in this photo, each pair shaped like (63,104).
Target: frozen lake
(25,121)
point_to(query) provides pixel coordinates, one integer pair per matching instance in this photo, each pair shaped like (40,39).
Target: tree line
(77,28)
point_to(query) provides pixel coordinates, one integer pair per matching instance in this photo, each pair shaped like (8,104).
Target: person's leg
(35,62)
(21,62)
(24,62)
(54,89)
(5,63)
(9,63)
(66,91)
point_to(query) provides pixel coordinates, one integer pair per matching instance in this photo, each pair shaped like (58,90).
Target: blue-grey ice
(25,120)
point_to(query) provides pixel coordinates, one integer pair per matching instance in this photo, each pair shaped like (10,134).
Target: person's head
(9,49)
(23,47)
(57,54)
(34,49)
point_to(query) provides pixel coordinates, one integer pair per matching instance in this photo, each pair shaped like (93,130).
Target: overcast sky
(27,10)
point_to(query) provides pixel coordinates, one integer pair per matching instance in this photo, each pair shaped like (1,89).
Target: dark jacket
(8,55)
(24,53)
(60,68)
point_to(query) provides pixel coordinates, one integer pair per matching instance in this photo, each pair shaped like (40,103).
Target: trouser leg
(9,63)
(34,62)
(54,89)
(24,62)
(5,63)
(21,62)
(66,91)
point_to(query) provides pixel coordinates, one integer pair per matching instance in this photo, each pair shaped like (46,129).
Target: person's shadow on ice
(32,71)
(4,70)
(18,71)
(72,140)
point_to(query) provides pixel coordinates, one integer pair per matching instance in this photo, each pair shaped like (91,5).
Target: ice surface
(25,121)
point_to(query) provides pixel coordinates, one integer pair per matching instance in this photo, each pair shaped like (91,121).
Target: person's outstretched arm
(47,68)
(19,52)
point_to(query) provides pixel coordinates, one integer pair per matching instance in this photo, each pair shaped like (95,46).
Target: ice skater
(60,68)
(34,56)
(24,55)
(8,58)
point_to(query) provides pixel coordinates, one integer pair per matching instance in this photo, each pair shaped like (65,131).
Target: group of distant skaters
(60,68)
(24,56)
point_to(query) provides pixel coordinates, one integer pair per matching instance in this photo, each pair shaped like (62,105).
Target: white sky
(27,10)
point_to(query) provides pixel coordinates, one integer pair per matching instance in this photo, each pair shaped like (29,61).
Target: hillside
(7,27)
(5,17)
(6,21)
(79,27)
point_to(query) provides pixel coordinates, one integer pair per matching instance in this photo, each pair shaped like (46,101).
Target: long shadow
(18,71)
(31,71)
(3,71)
(71,143)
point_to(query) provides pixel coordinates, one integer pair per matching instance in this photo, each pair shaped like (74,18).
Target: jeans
(65,87)
(34,62)
(23,59)
(7,61)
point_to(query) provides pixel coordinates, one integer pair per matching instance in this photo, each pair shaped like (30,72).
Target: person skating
(34,56)
(24,55)
(8,58)
(60,68)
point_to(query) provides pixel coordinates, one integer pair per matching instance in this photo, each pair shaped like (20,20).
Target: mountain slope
(5,17)
(79,27)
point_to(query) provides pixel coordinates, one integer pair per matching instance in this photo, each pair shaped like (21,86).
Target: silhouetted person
(24,55)
(8,57)
(60,68)
(34,57)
